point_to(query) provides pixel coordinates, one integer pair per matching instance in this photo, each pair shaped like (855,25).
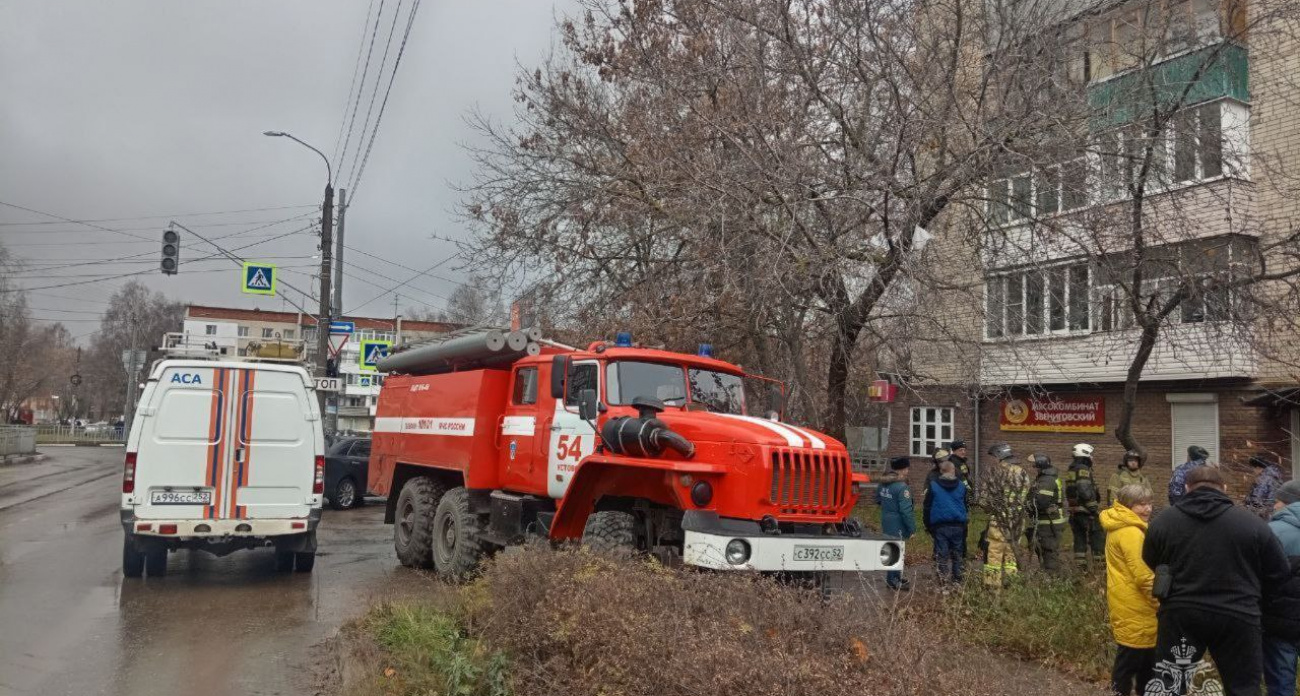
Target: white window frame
(242,331)
(941,418)
(209,329)
(1047,273)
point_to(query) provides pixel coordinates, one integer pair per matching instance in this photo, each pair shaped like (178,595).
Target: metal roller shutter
(1195,422)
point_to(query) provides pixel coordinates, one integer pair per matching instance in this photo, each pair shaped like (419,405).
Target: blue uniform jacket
(896,511)
(1266,485)
(1178,482)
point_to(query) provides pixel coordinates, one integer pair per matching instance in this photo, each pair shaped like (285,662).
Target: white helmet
(1083,449)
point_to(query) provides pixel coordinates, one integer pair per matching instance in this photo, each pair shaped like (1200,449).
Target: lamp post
(323,317)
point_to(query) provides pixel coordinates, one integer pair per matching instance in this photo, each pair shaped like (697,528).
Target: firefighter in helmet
(1003,487)
(1084,498)
(1047,502)
(1130,473)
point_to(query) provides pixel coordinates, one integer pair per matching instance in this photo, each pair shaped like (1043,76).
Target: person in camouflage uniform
(1267,481)
(1196,457)
(1130,473)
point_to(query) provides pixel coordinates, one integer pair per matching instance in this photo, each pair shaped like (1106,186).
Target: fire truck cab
(628,449)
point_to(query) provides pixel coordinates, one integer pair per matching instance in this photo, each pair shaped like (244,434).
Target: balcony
(1223,68)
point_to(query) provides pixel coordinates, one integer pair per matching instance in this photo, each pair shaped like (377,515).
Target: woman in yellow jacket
(1128,589)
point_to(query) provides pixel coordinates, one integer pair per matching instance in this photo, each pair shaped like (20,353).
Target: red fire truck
(486,439)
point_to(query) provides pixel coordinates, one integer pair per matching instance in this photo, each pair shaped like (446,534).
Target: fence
(17,439)
(93,434)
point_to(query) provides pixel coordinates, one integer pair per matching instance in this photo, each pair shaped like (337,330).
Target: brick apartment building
(1051,342)
(234,329)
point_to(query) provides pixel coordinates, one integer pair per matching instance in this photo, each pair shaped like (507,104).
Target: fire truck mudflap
(731,544)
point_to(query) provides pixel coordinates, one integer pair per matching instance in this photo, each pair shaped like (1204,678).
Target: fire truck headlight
(889,554)
(737,551)
(701,493)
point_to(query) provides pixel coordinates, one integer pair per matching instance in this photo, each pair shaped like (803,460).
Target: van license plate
(818,553)
(180,497)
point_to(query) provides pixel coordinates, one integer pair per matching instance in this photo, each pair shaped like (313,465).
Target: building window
(210,330)
(931,429)
(1037,302)
(268,333)
(287,333)
(243,332)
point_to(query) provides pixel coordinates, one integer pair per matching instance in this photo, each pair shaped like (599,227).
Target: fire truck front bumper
(730,544)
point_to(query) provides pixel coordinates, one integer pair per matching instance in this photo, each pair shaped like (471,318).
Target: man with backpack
(1084,498)
(1047,500)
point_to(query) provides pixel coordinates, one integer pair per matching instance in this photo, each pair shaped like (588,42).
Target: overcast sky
(149,108)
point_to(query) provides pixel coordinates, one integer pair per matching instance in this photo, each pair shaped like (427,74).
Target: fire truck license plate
(180,497)
(818,553)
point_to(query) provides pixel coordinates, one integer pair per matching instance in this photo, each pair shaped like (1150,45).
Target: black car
(347,467)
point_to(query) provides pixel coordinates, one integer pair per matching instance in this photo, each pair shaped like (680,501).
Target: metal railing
(92,434)
(17,439)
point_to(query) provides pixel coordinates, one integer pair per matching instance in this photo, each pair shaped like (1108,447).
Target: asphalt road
(71,624)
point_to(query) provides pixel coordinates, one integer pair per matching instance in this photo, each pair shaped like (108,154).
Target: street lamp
(326,262)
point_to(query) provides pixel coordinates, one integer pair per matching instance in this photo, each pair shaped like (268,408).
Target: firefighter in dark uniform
(1047,502)
(1084,498)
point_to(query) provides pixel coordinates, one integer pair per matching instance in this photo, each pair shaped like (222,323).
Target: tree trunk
(837,375)
(1147,343)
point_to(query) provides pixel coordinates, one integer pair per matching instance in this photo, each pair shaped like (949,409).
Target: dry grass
(570,622)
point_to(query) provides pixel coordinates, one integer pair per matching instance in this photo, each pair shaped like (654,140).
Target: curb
(14,460)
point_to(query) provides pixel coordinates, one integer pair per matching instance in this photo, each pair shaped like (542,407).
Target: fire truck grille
(809,482)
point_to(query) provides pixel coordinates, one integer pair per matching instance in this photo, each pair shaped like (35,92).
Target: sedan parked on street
(347,466)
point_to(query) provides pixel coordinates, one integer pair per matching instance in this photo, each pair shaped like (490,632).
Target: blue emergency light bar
(706,350)
(623,339)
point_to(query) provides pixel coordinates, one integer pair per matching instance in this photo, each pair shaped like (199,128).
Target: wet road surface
(71,624)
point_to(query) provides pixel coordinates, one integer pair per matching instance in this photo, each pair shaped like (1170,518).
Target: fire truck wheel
(611,532)
(456,531)
(413,532)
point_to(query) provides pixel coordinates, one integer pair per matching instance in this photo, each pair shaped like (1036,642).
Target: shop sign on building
(1054,415)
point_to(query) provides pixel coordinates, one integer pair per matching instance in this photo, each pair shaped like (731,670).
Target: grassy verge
(570,622)
(426,651)
(1057,621)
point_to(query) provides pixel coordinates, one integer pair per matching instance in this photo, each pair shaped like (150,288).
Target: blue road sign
(258,278)
(343,327)
(372,352)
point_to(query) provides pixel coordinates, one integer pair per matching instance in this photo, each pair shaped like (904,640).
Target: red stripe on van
(214,440)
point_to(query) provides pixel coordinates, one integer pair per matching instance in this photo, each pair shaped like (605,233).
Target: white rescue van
(223,456)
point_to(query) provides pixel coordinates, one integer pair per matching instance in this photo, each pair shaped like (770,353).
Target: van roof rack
(279,350)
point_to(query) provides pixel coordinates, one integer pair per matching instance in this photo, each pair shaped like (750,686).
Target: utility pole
(325,317)
(132,379)
(338,253)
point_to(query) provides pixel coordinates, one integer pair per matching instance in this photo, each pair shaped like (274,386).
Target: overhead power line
(356,68)
(356,104)
(158,217)
(401,50)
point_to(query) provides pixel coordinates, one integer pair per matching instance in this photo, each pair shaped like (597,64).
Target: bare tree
(134,315)
(754,170)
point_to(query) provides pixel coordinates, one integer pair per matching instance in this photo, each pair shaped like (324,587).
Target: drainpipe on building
(979,450)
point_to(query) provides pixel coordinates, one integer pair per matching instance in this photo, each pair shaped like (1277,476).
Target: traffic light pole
(323,319)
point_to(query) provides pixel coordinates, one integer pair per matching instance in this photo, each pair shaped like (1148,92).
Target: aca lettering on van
(187,378)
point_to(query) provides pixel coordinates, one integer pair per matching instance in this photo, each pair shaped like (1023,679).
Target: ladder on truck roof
(278,350)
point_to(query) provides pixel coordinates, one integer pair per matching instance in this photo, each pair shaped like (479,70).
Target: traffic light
(171,251)
(331,367)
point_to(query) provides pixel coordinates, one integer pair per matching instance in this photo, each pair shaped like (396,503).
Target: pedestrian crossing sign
(372,352)
(258,278)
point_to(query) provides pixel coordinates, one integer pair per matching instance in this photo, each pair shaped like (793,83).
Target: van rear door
(275,446)
(241,438)
(180,443)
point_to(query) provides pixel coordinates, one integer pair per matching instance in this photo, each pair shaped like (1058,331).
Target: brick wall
(901,423)
(1243,430)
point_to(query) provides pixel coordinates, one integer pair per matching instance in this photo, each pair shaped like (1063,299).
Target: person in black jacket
(1214,562)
